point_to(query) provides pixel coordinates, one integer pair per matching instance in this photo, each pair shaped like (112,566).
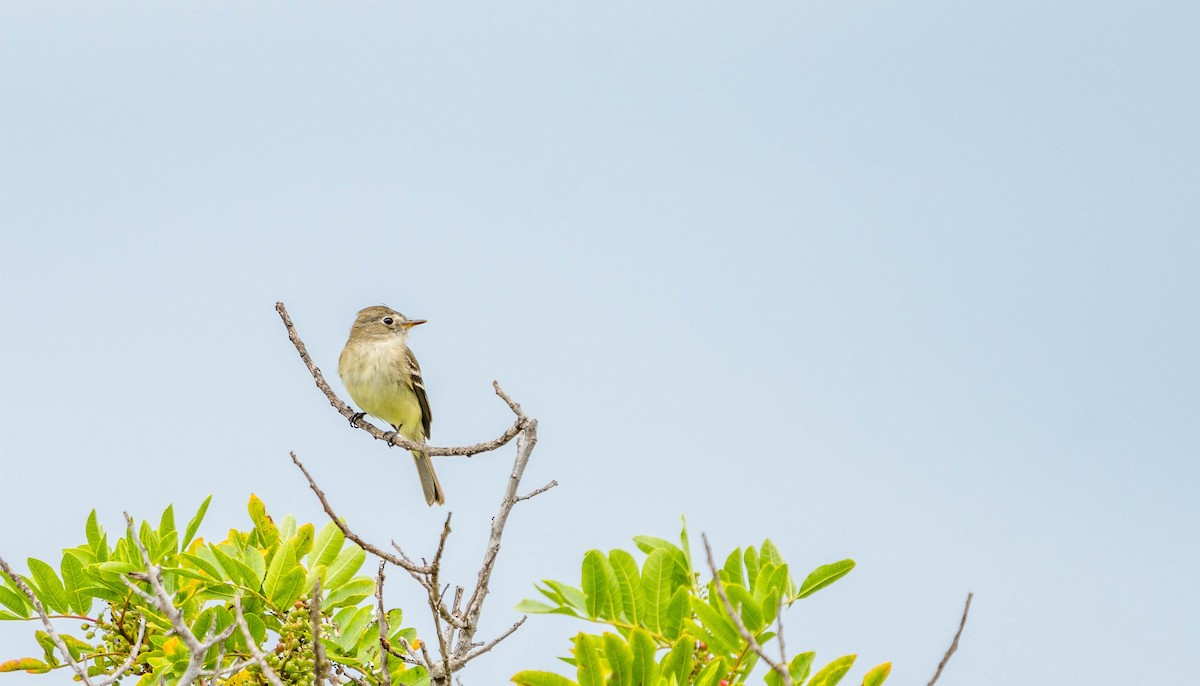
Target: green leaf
(253,558)
(73,580)
(648,544)
(711,673)
(569,595)
(725,636)
(204,565)
(750,610)
(769,552)
(264,526)
(353,626)
(801,665)
(93,531)
(290,588)
(620,658)
(166,524)
(25,664)
(674,614)
(678,662)
(303,540)
(344,567)
(194,524)
(15,601)
(535,678)
(238,571)
(625,571)
(539,608)
(833,672)
(645,667)
(588,668)
(47,586)
(351,593)
(770,606)
(280,581)
(823,576)
(287,528)
(656,588)
(750,557)
(597,592)
(877,675)
(48,647)
(326,546)
(731,573)
(684,544)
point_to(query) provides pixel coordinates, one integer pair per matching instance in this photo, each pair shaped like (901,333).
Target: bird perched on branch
(384,380)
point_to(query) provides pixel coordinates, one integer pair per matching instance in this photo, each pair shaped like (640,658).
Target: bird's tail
(434,495)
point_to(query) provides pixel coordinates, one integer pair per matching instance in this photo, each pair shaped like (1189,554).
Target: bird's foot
(356,418)
(391,439)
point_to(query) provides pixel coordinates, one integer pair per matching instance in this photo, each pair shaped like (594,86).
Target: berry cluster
(293,659)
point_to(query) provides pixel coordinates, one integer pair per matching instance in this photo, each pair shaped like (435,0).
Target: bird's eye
(389,321)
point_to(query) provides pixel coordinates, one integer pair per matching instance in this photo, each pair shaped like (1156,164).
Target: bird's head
(382,322)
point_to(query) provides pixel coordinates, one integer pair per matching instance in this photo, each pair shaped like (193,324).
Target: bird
(384,379)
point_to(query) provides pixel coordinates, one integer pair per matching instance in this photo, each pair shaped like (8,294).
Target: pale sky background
(913,283)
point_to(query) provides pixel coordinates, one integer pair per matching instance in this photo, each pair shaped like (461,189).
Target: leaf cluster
(669,629)
(270,568)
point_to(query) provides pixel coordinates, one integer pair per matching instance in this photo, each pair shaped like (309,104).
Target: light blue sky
(913,283)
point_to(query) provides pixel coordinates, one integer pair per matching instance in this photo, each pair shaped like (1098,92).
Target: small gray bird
(384,380)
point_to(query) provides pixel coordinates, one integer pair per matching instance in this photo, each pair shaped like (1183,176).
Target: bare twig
(525,445)
(341,524)
(37,607)
(314,615)
(128,663)
(381,619)
(783,658)
(391,437)
(495,641)
(255,651)
(537,491)
(782,669)
(954,644)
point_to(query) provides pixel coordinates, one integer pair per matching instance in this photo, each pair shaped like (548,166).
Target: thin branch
(537,491)
(495,641)
(255,651)
(37,606)
(954,644)
(381,619)
(474,606)
(128,663)
(783,658)
(781,669)
(320,665)
(391,437)
(404,563)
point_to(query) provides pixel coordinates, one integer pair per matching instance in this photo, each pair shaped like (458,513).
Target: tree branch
(37,607)
(455,627)
(341,524)
(391,437)
(954,644)
(255,651)
(780,668)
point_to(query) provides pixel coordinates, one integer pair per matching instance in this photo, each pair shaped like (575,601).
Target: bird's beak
(413,322)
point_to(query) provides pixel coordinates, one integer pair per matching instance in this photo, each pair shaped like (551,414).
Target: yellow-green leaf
(877,675)
(823,576)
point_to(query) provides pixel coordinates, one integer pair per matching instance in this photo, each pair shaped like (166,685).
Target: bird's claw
(356,418)
(391,439)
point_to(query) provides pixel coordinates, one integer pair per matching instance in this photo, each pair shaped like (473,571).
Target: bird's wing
(414,370)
